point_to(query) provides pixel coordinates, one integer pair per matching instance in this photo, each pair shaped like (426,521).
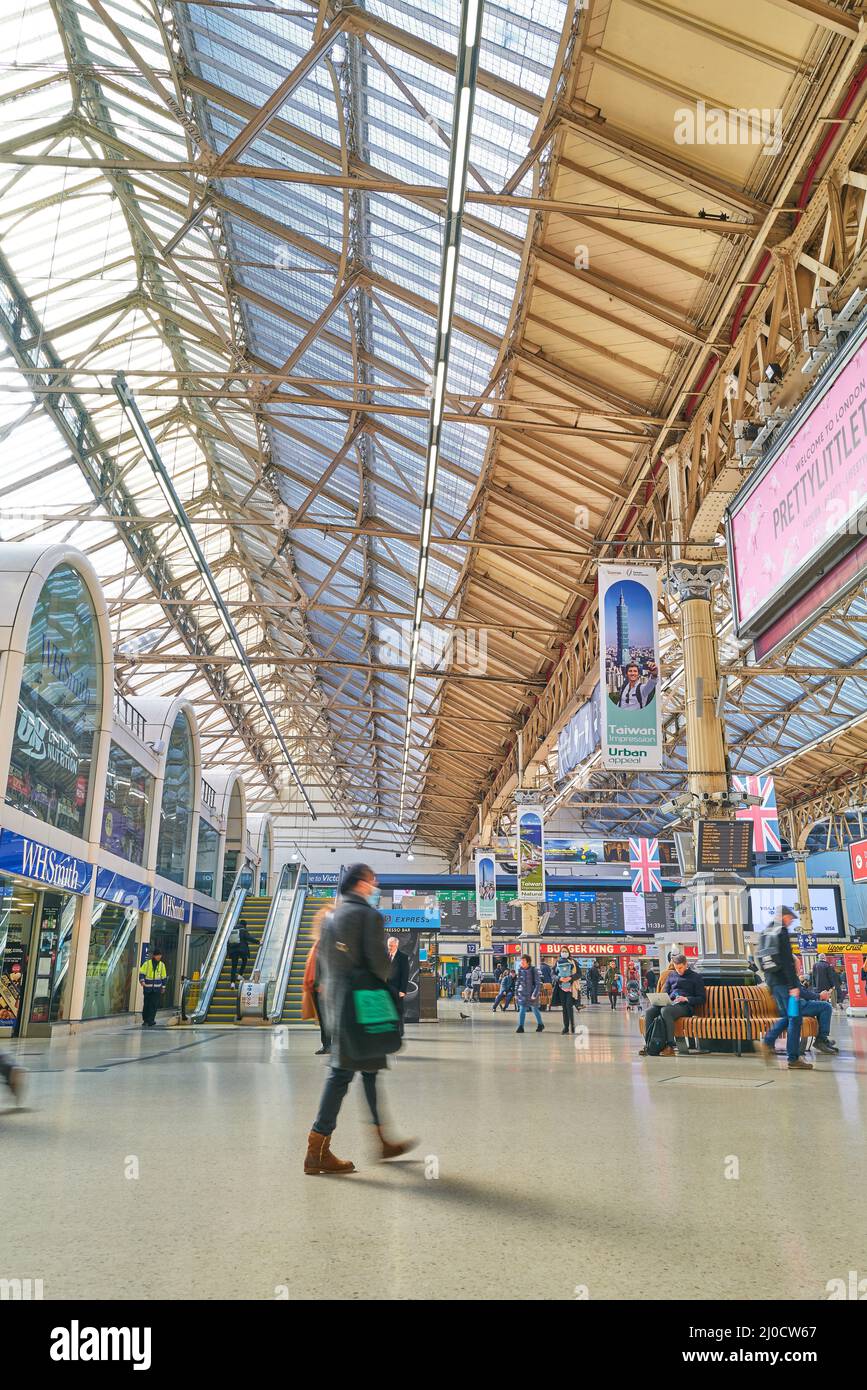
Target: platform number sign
(858,860)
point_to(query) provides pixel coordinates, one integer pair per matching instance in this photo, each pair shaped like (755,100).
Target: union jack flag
(766,822)
(644,863)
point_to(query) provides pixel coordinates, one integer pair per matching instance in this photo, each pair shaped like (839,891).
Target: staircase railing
(196,995)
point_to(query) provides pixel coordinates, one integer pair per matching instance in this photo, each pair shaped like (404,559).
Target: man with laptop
(682,994)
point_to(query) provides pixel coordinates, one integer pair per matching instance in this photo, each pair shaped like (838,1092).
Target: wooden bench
(734,1013)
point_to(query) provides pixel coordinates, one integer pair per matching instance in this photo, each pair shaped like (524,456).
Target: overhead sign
(408,919)
(802,507)
(167,905)
(807,941)
(726,845)
(580,737)
(858,861)
(30,859)
(115,888)
(629,667)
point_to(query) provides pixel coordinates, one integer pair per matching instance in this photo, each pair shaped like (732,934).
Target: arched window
(59,701)
(176,811)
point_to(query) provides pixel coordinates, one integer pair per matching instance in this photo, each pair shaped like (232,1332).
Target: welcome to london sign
(31,859)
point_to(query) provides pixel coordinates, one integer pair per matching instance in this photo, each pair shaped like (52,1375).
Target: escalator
(291,1012)
(278,949)
(224,1001)
(199,995)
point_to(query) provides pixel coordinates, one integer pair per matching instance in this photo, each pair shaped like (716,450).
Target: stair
(292,1003)
(223,1008)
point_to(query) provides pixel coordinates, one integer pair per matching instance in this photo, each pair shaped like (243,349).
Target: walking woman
(611,984)
(311,992)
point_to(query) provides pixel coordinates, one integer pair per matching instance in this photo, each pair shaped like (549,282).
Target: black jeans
(592,992)
(7,1066)
(670,1014)
(238,961)
(150,1005)
(335,1089)
(566,1004)
(612,995)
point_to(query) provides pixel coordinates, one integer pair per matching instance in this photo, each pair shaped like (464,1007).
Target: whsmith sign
(30,859)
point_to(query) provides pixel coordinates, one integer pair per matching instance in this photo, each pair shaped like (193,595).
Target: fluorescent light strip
(130,407)
(468,52)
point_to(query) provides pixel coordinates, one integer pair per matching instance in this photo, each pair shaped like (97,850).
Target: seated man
(817,1004)
(506,992)
(687,991)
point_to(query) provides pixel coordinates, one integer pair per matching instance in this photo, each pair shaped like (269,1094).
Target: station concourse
(433,661)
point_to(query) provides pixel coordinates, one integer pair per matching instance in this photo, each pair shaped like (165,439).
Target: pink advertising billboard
(807,505)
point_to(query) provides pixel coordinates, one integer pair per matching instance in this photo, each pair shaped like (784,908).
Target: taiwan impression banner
(531,854)
(629,667)
(486,885)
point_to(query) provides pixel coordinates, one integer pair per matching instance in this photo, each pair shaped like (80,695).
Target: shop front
(112,957)
(40,891)
(170,917)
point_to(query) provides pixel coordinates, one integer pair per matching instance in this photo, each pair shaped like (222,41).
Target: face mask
(373,897)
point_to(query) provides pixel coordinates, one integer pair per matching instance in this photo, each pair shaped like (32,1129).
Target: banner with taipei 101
(629,667)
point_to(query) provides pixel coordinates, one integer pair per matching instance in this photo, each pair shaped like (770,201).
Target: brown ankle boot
(320,1159)
(391,1150)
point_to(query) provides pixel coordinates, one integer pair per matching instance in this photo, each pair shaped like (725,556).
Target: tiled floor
(168,1164)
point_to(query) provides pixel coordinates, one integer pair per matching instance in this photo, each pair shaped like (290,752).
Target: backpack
(234,937)
(657,1038)
(769,949)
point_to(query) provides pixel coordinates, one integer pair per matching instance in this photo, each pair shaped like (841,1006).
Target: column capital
(688,581)
(528,796)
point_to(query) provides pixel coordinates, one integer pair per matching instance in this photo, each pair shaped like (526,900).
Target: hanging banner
(644,863)
(531,854)
(764,815)
(580,737)
(629,667)
(486,885)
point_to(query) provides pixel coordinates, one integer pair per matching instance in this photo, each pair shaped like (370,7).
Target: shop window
(206,858)
(58,706)
(176,811)
(111,960)
(128,796)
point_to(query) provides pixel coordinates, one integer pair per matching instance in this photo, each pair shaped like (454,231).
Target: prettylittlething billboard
(807,505)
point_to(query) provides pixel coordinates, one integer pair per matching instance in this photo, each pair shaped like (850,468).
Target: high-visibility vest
(152,975)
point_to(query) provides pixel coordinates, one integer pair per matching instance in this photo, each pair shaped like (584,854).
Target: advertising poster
(767,903)
(629,667)
(486,885)
(531,854)
(580,737)
(406,940)
(853,965)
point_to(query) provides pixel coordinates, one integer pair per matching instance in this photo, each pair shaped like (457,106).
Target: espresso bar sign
(30,859)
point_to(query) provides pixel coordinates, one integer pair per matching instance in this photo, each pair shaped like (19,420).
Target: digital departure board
(726,845)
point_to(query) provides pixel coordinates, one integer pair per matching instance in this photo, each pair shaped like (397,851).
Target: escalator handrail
(274,913)
(287,953)
(213,966)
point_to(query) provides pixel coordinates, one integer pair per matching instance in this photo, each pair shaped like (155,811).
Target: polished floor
(168,1164)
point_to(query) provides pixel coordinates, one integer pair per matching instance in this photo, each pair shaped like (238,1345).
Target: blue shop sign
(115,888)
(167,905)
(409,919)
(204,919)
(30,859)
